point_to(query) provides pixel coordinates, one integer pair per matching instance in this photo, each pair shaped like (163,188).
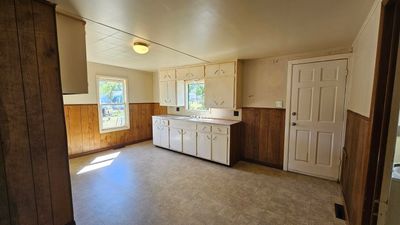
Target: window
(195,95)
(113,104)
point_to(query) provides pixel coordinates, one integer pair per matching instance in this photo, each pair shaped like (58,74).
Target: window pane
(196,96)
(111,91)
(113,116)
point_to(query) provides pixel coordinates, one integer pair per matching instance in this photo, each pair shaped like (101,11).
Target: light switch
(279,104)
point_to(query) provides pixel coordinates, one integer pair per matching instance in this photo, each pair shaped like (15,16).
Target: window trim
(126,103)
(187,83)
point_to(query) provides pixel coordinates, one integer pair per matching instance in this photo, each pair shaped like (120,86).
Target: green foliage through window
(195,95)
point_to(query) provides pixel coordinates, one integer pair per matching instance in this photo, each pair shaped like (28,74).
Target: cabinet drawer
(220,129)
(203,128)
(167,75)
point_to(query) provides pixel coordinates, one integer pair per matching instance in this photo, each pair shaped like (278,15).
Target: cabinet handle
(208,137)
(222,71)
(216,71)
(215,137)
(222,102)
(215,102)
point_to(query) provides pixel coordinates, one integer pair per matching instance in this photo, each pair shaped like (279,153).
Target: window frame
(126,103)
(187,83)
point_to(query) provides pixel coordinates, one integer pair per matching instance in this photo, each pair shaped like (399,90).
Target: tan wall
(140,87)
(264,80)
(363,64)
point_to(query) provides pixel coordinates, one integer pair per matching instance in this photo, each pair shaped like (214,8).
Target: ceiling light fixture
(140,47)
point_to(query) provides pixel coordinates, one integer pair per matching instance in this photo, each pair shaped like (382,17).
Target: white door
(220,92)
(175,139)
(164,137)
(189,142)
(204,145)
(219,148)
(316,118)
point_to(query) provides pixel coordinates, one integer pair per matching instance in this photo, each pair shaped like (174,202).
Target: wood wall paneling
(34,171)
(263,135)
(355,165)
(83,128)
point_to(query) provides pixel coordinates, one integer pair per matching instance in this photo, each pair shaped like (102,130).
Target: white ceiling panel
(215,29)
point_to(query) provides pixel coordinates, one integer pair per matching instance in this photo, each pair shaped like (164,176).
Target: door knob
(294,113)
(294,124)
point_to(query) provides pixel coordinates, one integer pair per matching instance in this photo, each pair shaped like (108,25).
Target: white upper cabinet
(220,92)
(167,75)
(172,93)
(72,54)
(223,69)
(190,73)
(222,84)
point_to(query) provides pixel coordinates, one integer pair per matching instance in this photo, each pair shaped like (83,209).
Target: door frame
(291,63)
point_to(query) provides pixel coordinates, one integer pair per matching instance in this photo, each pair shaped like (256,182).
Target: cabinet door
(164,137)
(219,148)
(218,95)
(212,70)
(163,86)
(227,69)
(204,145)
(165,75)
(156,135)
(182,73)
(171,90)
(175,139)
(189,142)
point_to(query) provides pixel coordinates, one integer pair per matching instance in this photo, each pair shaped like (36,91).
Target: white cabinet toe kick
(218,142)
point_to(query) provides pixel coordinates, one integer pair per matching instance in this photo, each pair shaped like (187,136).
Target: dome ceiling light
(140,47)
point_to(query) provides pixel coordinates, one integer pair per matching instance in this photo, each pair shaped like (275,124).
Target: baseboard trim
(107,148)
(262,163)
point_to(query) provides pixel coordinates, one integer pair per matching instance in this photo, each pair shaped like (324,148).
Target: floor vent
(339,211)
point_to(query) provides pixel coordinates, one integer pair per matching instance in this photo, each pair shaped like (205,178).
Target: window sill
(114,130)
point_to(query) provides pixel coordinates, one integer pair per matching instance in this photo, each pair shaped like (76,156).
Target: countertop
(199,120)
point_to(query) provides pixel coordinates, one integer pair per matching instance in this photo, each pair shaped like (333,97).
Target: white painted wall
(363,63)
(140,84)
(264,80)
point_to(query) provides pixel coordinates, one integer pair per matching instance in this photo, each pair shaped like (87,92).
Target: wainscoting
(82,124)
(263,136)
(355,165)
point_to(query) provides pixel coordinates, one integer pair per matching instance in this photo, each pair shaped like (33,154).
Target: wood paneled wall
(263,136)
(355,165)
(83,127)
(34,173)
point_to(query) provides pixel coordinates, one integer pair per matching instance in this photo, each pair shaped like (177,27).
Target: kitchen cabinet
(72,54)
(204,145)
(222,69)
(172,93)
(160,132)
(219,148)
(215,142)
(164,137)
(218,95)
(189,142)
(175,139)
(168,74)
(190,73)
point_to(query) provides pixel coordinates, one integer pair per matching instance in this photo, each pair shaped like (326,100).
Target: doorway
(315,115)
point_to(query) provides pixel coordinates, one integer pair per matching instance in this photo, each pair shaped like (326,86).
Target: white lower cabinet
(164,136)
(189,142)
(204,145)
(175,139)
(204,140)
(219,148)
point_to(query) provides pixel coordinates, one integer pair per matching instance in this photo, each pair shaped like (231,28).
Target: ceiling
(213,30)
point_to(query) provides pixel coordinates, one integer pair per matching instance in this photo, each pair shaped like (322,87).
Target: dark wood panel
(13,124)
(82,123)
(263,136)
(355,165)
(33,102)
(53,111)
(160,110)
